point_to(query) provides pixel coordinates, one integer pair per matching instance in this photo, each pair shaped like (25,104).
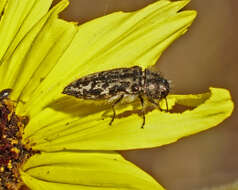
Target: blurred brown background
(206,56)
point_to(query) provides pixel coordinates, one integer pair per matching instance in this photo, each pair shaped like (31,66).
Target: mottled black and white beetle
(116,84)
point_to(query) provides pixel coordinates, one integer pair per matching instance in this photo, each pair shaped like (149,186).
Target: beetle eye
(162,88)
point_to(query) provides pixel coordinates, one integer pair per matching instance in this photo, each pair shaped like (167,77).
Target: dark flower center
(12,152)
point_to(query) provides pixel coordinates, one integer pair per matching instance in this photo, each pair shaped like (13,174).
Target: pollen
(13,152)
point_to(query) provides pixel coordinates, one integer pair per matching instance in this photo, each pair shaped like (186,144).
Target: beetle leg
(142,110)
(167,107)
(113,109)
(157,104)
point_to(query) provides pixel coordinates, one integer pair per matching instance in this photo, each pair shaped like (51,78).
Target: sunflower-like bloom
(50,141)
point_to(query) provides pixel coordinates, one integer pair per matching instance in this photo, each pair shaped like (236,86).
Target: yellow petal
(116,40)
(2,6)
(22,65)
(17,20)
(93,132)
(84,170)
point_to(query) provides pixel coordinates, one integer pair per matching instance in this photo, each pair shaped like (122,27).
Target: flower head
(68,142)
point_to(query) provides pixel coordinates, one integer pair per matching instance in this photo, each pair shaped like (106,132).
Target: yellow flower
(73,145)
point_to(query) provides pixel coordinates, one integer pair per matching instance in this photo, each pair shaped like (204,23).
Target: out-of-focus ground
(206,56)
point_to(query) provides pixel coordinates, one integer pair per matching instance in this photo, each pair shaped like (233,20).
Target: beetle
(116,84)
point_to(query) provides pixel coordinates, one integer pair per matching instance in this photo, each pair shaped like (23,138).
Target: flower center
(12,152)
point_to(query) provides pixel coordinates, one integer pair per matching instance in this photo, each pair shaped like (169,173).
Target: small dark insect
(5,93)
(120,83)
